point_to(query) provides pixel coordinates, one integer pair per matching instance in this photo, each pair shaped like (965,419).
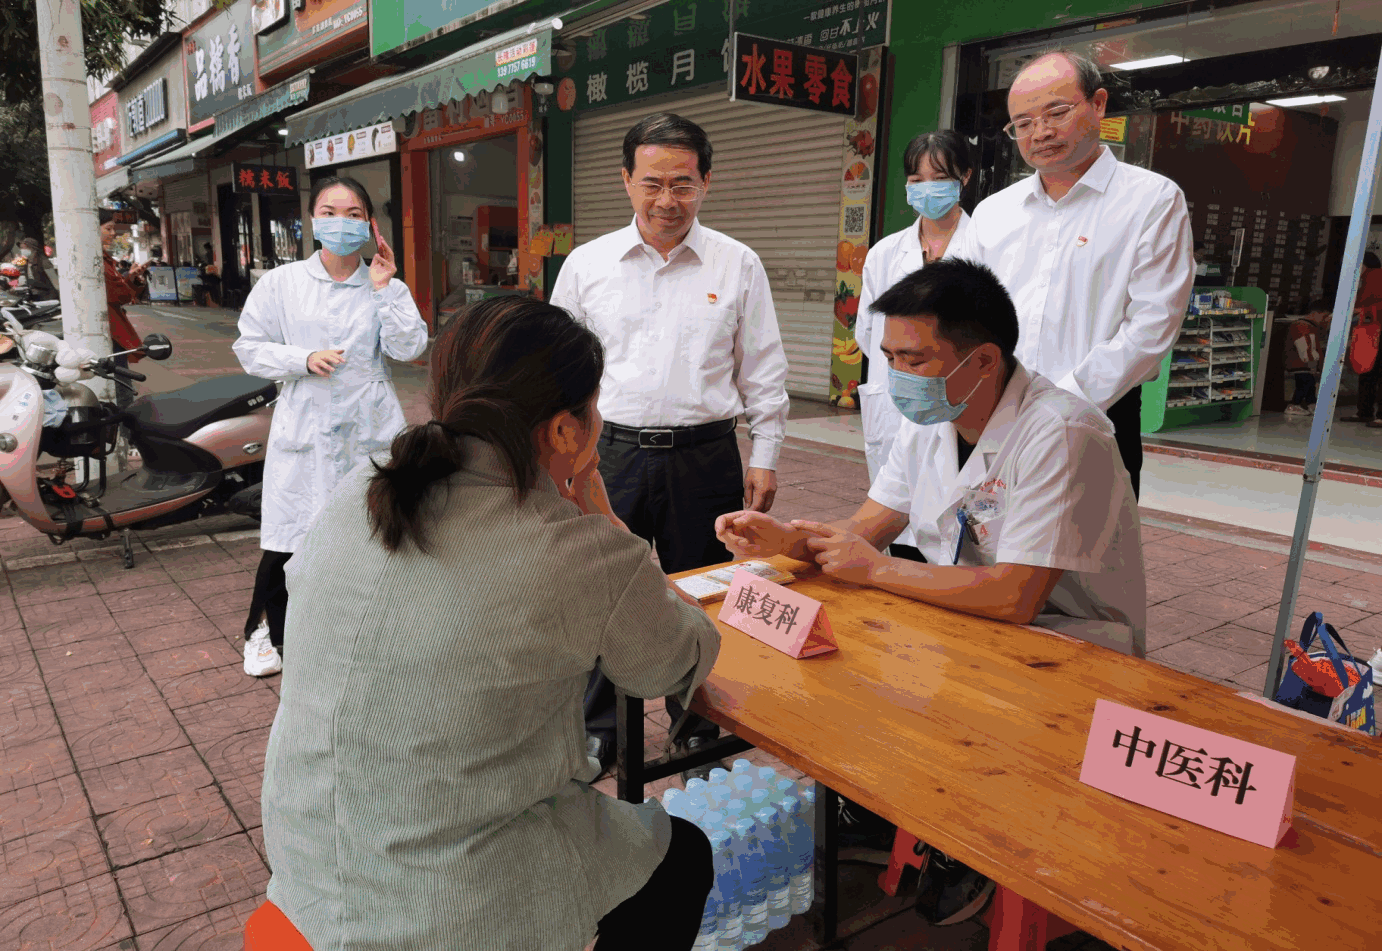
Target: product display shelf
(1212,368)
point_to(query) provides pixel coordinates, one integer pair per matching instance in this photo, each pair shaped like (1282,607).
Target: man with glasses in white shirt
(1096,253)
(691,341)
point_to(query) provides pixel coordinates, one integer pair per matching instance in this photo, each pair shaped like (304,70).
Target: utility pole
(67,119)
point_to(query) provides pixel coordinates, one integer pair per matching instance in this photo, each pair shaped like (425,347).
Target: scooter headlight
(8,442)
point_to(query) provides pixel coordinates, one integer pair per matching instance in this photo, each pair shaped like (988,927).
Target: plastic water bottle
(741,784)
(781,789)
(742,765)
(708,938)
(717,795)
(803,838)
(764,777)
(729,918)
(736,809)
(696,788)
(779,861)
(719,776)
(754,881)
(712,821)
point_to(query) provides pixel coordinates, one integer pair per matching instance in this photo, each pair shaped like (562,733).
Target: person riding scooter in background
(323,326)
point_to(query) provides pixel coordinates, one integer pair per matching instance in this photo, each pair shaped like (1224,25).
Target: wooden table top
(970,734)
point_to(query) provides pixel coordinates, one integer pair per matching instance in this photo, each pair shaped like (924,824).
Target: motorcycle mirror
(158,346)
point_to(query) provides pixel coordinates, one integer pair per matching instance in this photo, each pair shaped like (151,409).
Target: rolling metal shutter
(775,187)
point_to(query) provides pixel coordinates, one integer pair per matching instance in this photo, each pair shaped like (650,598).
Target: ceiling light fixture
(1304,100)
(1150,62)
(458,155)
(282,131)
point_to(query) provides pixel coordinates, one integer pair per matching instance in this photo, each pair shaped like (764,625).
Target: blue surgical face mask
(922,398)
(341,236)
(934,199)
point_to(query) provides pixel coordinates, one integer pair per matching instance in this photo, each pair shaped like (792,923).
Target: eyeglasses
(1054,118)
(653,190)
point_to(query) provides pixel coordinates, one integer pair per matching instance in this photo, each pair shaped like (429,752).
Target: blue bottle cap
(742,765)
(719,775)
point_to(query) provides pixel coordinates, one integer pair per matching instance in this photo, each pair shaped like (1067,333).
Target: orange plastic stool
(270,930)
(1014,923)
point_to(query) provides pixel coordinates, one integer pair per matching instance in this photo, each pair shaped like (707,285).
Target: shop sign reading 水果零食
(686,43)
(265,179)
(311,32)
(220,63)
(352,146)
(784,74)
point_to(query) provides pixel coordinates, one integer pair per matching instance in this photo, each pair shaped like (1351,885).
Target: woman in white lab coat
(323,326)
(939,166)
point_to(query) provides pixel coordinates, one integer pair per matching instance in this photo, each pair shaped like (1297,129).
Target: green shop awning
(180,161)
(515,55)
(285,95)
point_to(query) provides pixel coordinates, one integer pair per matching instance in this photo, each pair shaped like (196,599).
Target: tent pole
(1354,246)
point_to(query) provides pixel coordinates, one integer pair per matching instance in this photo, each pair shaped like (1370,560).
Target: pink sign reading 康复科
(1216,781)
(777,616)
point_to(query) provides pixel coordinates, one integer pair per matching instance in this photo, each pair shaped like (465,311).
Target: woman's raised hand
(382,268)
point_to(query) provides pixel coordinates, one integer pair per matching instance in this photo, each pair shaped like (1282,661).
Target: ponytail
(499,369)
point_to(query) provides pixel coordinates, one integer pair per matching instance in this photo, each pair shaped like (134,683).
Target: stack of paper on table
(711,586)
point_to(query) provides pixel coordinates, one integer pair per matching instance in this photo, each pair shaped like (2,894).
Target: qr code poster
(856,212)
(854,220)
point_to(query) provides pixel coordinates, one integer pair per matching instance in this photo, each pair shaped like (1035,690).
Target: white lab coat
(323,426)
(889,261)
(1045,486)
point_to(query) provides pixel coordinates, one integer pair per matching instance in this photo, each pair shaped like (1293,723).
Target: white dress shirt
(1100,278)
(1045,486)
(689,340)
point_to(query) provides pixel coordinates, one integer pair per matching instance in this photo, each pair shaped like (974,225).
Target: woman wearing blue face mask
(322,326)
(939,166)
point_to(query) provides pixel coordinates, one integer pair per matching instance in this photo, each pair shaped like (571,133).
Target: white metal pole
(67,119)
(1354,246)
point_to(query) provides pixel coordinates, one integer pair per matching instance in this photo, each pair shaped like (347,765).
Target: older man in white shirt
(1097,254)
(691,341)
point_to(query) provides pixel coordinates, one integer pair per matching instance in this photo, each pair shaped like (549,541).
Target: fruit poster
(856,213)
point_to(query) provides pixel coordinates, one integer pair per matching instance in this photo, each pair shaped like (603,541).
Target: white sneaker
(261,657)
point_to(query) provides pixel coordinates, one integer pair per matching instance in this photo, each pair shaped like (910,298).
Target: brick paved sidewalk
(131,743)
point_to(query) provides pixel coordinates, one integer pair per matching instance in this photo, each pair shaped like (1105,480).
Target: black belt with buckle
(670,437)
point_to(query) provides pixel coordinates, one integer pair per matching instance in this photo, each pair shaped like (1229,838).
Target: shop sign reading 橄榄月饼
(220,63)
(311,32)
(265,179)
(686,43)
(784,74)
(147,109)
(352,146)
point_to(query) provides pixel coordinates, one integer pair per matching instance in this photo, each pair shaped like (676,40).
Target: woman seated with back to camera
(426,782)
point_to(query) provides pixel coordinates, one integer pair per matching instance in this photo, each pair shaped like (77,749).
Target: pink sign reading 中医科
(777,616)
(1212,780)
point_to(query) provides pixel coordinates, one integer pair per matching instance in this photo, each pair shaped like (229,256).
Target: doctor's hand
(842,555)
(323,362)
(381,267)
(749,534)
(760,488)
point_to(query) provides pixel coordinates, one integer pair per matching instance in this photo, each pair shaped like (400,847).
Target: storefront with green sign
(787,178)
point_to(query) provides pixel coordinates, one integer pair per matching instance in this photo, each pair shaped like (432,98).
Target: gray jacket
(425,783)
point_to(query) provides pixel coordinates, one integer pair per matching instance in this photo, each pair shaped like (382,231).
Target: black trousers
(270,598)
(666,912)
(1126,416)
(670,497)
(1367,391)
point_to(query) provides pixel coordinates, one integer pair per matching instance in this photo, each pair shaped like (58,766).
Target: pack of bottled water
(761,831)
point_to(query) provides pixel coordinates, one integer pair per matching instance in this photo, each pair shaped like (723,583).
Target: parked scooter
(202,447)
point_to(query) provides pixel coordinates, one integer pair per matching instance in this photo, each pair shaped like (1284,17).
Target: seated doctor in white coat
(1013,488)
